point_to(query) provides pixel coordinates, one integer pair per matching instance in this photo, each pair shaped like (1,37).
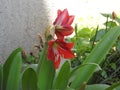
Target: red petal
(65,31)
(66,53)
(68,45)
(63,17)
(50,43)
(63,44)
(70,21)
(59,12)
(64,49)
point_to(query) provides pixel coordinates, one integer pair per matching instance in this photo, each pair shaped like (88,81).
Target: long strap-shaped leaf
(45,71)
(97,56)
(11,71)
(29,79)
(63,77)
(97,87)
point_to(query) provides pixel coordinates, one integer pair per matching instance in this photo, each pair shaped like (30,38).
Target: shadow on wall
(20,22)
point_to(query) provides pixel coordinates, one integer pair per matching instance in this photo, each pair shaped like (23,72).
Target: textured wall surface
(20,22)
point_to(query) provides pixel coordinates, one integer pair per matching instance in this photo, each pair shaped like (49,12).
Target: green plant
(110,65)
(45,76)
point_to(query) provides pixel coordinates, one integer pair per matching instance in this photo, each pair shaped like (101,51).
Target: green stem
(94,37)
(76,43)
(107,23)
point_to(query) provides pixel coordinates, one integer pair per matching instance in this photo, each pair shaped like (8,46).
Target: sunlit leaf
(110,24)
(85,32)
(106,15)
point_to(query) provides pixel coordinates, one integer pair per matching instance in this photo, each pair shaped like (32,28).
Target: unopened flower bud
(114,15)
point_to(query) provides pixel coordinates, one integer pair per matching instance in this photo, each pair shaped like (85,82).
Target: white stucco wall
(22,20)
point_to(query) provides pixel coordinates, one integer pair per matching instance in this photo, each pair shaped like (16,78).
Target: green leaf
(75,71)
(104,74)
(100,34)
(1,76)
(85,33)
(82,44)
(97,87)
(118,19)
(118,87)
(113,65)
(45,71)
(111,24)
(11,71)
(110,16)
(29,79)
(115,86)
(63,77)
(106,15)
(96,56)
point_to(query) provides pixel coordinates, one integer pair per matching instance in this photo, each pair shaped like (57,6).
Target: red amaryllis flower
(58,49)
(63,24)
